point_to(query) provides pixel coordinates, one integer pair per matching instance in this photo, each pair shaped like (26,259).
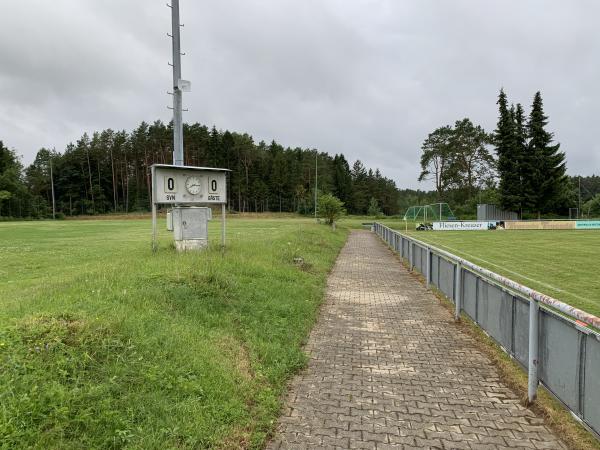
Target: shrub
(330,208)
(374,209)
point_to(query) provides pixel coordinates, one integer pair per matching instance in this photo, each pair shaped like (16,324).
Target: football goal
(429,213)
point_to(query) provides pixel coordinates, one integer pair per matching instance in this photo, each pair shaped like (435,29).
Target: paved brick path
(389,369)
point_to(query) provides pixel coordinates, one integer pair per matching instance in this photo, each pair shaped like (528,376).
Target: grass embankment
(105,345)
(559,263)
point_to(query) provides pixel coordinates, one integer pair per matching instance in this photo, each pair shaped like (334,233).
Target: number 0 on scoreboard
(170,185)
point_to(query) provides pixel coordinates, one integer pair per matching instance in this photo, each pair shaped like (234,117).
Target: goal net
(429,213)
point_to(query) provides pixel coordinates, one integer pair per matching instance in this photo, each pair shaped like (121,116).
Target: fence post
(411,253)
(534,317)
(428,266)
(458,292)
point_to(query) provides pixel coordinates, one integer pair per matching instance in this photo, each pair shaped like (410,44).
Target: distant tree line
(517,167)
(109,171)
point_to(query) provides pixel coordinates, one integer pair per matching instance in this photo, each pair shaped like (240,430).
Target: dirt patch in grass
(239,439)
(239,355)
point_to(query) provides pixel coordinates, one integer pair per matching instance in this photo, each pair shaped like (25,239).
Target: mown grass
(105,345)
(559,263)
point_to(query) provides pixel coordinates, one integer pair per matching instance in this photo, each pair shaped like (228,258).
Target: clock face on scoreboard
(188,185)
(193,185)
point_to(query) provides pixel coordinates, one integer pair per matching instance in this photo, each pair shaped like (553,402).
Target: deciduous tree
(436,159)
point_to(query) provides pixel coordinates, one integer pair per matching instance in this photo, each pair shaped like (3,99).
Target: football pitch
(559,263)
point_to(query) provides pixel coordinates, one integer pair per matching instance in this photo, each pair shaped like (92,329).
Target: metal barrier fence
(554,342)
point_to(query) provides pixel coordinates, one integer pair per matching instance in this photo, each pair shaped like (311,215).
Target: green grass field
(560,263)
(105,345)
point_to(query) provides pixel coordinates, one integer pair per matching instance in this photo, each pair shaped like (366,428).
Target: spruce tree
(342,179)
(526,163)
(549,179)
(508,158)
(360,184)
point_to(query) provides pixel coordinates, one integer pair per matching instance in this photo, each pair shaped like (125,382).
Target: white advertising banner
(463,226)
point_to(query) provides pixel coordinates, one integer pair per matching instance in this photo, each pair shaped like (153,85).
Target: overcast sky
(369,78)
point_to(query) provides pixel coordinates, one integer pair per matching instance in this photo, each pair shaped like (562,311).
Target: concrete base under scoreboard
(191,245)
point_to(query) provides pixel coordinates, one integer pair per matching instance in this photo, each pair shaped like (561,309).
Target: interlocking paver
(389,368)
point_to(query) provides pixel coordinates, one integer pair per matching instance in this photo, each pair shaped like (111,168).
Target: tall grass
(105,345)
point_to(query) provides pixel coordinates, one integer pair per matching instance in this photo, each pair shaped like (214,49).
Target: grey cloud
(369,78)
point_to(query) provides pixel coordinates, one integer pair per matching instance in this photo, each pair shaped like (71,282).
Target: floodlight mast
(316,181)
(177,92)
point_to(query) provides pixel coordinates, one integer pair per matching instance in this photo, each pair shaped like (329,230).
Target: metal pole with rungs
(316,182)
(177,92)
(154,212)
(534,310)
(52,185)
(579,202)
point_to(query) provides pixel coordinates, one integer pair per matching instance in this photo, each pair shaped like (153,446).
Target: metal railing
(556,344)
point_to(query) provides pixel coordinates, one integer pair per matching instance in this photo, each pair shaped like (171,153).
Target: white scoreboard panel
(188,185)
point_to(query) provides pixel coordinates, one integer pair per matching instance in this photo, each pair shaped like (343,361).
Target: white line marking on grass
(546,285)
